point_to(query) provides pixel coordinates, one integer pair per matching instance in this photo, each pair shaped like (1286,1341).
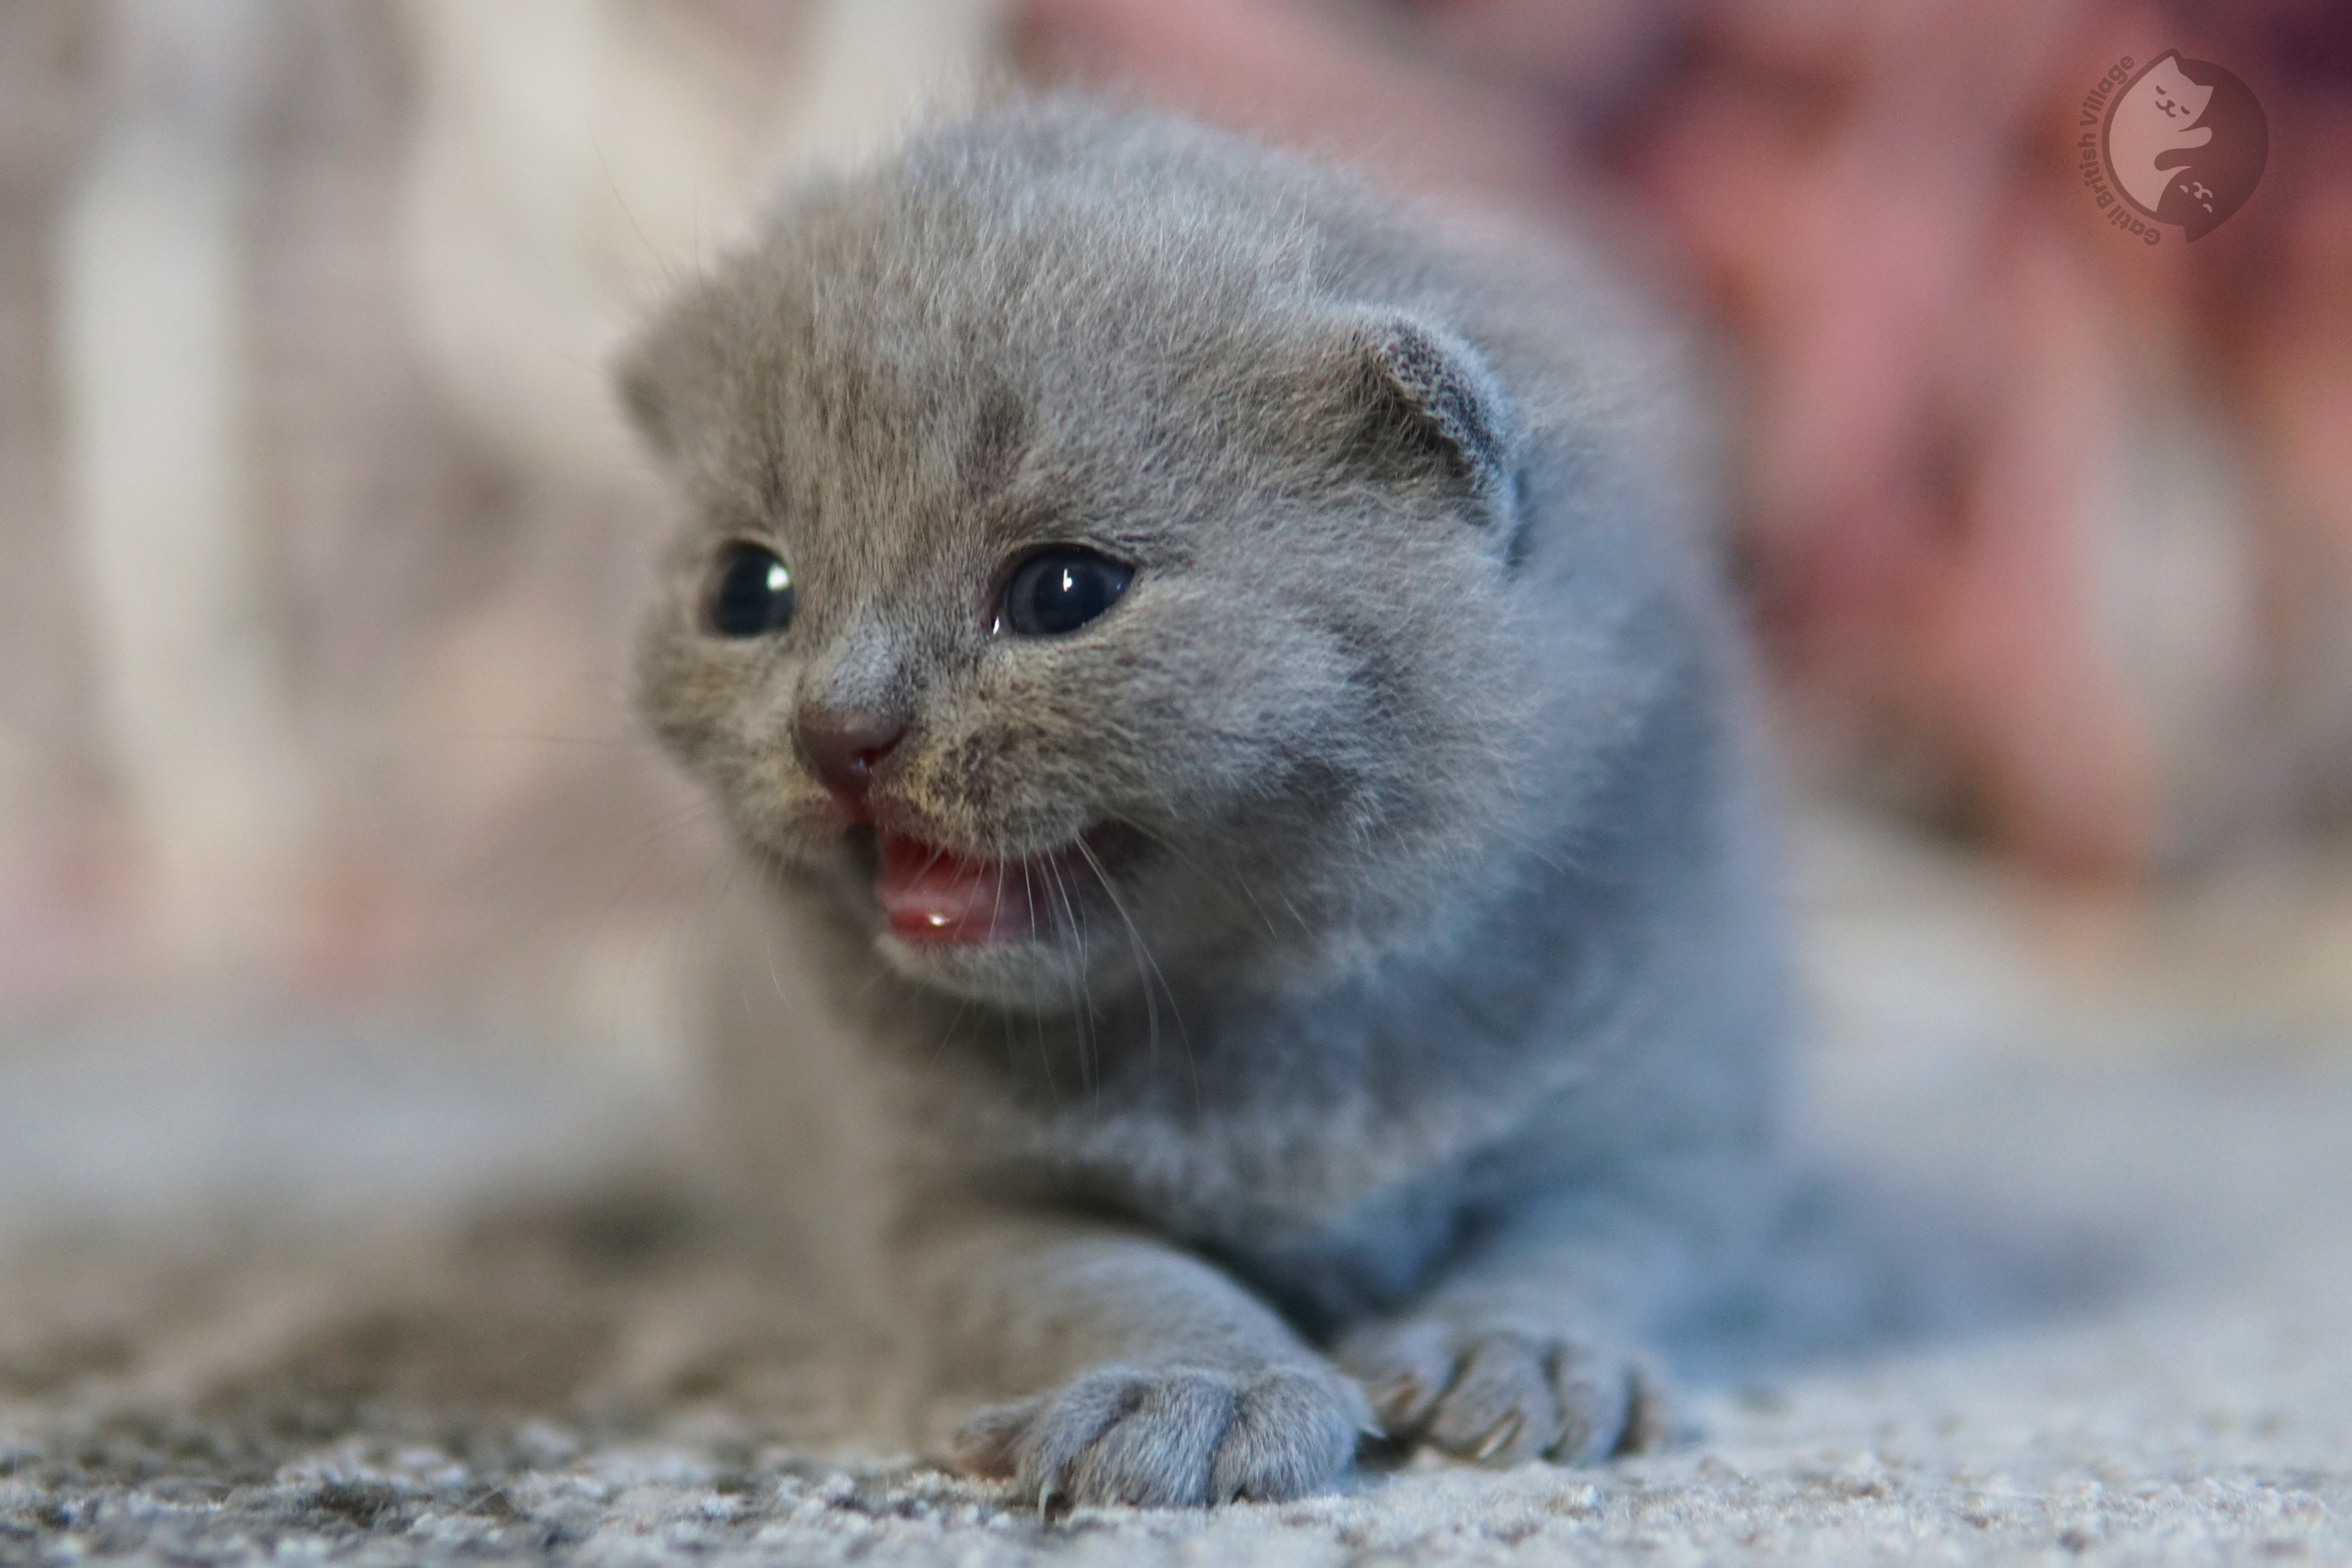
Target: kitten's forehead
(904,376)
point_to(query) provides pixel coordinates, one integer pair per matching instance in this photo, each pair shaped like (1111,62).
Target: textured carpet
(340,1298)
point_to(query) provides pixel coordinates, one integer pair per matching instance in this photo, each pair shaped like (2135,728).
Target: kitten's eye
(751,593)
(1061,589)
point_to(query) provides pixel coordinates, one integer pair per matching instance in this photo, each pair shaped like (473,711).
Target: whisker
(1045,1052)
(1142,951)
(1081,995)
(1211,875)
(947,1036)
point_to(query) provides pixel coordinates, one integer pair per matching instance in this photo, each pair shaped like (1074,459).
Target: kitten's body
(1407,984)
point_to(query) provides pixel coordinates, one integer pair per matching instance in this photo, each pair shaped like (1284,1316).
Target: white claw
(1505,1430)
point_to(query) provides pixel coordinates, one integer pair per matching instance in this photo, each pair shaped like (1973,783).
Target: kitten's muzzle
(842,747)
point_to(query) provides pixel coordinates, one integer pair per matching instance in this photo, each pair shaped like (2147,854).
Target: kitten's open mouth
(935,897)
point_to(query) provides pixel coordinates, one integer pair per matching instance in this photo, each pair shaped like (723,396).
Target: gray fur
(1424,1021)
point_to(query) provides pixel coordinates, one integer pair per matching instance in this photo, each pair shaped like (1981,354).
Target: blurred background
(320,540)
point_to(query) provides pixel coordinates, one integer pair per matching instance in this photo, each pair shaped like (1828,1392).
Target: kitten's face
(1064,646)
(2173,97)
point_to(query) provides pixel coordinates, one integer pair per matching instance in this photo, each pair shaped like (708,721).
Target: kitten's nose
(842,747)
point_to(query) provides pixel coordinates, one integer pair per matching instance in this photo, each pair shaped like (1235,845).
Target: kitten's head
(1072,585)
(2171,95)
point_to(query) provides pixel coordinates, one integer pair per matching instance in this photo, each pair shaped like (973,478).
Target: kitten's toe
(1594,1393)
(989,1444)
(1157,1454)
(1293,1430)
(1505,1394)
(1649,1413)
(1500,1409)
(1404,1369)
(1169,1437)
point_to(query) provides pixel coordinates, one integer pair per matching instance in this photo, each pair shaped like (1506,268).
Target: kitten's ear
(664,376)
(1426,401)
(646,396)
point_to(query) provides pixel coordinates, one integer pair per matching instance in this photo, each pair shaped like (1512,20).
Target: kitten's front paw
(1504,1394)
(1172,1437)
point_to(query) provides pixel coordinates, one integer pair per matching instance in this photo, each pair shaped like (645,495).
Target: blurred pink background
(320,542)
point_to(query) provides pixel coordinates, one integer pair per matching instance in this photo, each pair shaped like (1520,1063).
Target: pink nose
(843,748)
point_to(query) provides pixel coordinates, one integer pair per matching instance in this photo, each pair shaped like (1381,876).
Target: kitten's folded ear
(665,375)
(647,394)
(1425,402)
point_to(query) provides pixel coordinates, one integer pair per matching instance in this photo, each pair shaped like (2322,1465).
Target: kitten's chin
(1026,975)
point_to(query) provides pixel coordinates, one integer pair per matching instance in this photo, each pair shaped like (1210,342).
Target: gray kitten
(1224,696)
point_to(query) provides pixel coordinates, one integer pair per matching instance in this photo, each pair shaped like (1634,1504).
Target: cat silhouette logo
(2183,142)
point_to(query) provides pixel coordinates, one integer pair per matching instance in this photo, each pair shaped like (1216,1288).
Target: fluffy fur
(1400,1037)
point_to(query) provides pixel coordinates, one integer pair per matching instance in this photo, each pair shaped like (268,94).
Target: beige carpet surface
(589,1371)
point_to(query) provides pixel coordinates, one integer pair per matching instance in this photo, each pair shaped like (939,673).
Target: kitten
(1223,695)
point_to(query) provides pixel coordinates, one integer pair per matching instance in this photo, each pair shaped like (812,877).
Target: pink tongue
(936,898)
